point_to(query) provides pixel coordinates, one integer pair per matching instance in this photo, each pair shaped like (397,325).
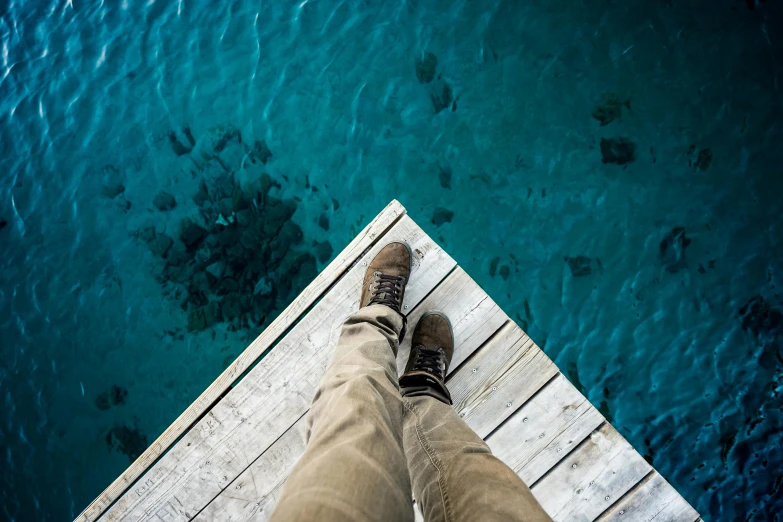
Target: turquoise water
(609,171)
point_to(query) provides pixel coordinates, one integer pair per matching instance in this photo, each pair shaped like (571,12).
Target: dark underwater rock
(114,396)
(129,441)
(178,148)
(220,135)
(704,159)
(189,135)
(444,176)
(164,201)
(426,64)
(323,221)
(113,190)
(441,95)
(579,265)
(441,216)
(260,152)
(3,224)
(610,108)
(204,317)
(113,183)
(617,150)
(672,250)
(146,234)
(758,317)
(323,251)
(160,245)
(191,234)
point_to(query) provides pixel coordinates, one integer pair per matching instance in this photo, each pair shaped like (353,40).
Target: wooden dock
(227,456)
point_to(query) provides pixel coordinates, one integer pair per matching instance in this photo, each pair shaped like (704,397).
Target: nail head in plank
(592,478)
(276,392)
(366,238)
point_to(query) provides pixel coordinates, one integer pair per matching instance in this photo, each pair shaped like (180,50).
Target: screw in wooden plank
(573,466)
(622,512)
(508,404)
(606,497)
(524,420)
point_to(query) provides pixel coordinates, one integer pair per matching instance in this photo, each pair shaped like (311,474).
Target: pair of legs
(371,443)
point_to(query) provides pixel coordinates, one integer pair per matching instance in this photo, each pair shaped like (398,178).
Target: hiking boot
(386,277)
(431,352)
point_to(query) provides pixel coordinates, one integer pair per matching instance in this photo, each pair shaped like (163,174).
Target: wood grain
(591,478)
(499,378)
(545,429)
(270,398)
(652,500)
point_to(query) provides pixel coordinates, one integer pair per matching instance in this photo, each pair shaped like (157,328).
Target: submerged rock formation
(128,440)
(618,150)
(241,256)
(114,396)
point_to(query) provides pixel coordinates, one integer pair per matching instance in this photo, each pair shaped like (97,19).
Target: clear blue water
(95,355)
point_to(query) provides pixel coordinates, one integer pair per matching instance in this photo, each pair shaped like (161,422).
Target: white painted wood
(591,478)
(366,238)
(545,429)
(270,398)
(458,300)
(652,500)
(499,378)
(473,315)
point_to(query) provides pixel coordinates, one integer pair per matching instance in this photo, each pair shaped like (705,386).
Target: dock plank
(259,485)
(366,238)
(545,429)
(474,318)
(499,378)
(652,500)
(271,397)
(591,478)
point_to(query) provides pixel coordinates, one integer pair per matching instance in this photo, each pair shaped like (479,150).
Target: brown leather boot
(386,277)
(431,352)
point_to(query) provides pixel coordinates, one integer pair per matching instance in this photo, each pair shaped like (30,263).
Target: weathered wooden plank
(499,378)
(545,429)
(254,493)
(652,500)
(377,227)
(591,478)
(458,300)
(270,398)
(473,315)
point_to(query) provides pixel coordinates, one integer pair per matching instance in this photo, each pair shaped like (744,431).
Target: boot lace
(386,290)
(430,360)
